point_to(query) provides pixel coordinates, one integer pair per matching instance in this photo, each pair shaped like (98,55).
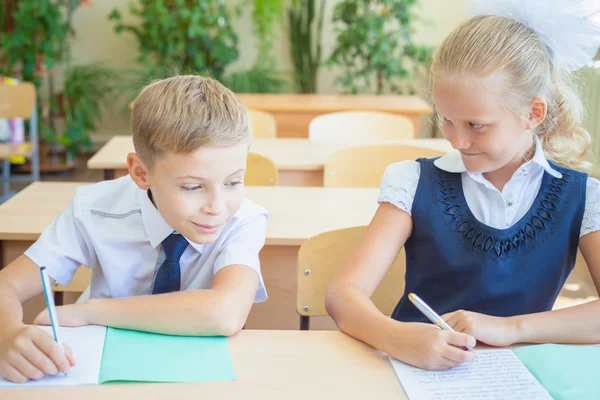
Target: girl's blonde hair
(487,44)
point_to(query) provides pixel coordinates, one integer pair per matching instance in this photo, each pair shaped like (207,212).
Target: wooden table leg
(59,298)
(109,174)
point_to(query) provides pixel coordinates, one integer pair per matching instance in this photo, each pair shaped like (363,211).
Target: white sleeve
(63,247)
(591,215)
(399,184)
(242,248)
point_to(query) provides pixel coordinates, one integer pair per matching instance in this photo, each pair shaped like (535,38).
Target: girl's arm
(349,303)
(578,324)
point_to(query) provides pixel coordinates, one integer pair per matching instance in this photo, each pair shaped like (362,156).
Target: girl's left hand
(69,315)
(494,331)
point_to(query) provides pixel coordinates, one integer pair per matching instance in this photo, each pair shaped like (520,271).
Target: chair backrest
(320,258)
(360,125)
(364,166)
(264,125)
(260,171)
(17,101)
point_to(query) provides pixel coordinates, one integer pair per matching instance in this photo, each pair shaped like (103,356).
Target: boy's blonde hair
(487,44)
(183,113)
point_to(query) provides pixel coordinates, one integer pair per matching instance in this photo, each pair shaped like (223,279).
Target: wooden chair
(360,125)
(264,125)
(19,101)
(364,166)
(320,258)
(260,171)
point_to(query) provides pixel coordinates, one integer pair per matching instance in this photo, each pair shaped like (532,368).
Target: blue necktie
(168,278)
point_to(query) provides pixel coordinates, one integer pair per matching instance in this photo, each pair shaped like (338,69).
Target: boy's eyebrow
(237,172)
(199,178)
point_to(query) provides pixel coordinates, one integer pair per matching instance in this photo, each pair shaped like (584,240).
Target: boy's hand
(69,315)
(495,331)
(27,352)
(428,347)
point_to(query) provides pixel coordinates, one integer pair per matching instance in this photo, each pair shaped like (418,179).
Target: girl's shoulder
(399,184)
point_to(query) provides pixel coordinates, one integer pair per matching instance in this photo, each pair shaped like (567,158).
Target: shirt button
(510,203)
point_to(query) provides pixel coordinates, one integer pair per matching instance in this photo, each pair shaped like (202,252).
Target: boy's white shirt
(497,209)
(113,228)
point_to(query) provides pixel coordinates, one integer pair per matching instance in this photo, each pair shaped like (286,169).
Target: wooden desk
(293,112)
(300,161)
(15,150)
(295,214)
(287,365)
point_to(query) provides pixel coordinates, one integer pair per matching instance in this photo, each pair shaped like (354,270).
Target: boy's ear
(538,108)
(138,171)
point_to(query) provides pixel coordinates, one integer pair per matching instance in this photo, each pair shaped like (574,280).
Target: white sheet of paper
(87,343)
(494,374)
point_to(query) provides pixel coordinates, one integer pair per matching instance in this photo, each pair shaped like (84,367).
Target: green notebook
(567,372)
(132,356)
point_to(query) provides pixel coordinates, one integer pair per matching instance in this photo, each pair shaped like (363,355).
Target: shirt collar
(156,227)
(452,162)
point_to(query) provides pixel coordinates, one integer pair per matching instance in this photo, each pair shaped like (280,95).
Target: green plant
(374,44)
(177,36)
(263,76)
(39,36)
(264,18)
(86,89)
(306,53)
(257,79)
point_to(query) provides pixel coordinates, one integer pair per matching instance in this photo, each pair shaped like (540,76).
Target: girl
(493,227)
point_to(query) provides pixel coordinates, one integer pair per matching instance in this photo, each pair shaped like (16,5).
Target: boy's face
(198,193)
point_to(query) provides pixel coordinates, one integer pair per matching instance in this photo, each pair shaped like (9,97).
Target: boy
(173,246)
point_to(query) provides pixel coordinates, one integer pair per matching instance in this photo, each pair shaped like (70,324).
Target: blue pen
(50,304)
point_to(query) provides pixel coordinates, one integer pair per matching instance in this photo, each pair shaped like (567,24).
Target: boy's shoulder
(118,196)
(248,211)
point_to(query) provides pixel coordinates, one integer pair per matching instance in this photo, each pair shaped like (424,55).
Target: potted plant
(305,41)
(374,45)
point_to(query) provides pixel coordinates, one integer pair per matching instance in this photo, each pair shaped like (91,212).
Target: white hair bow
(570,29)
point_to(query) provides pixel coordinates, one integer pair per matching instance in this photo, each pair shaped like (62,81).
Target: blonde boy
(173,246)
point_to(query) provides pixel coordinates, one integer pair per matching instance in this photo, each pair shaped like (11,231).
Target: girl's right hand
(28,352)
(428,347)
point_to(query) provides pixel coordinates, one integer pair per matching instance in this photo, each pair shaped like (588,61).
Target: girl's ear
(538,108)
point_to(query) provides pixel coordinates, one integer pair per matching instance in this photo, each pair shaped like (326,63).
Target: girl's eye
(191,188)
(475,126)
(233,184)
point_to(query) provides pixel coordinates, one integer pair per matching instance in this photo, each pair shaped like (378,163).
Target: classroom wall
(96,41)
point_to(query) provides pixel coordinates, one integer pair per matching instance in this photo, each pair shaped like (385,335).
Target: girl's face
(488,135)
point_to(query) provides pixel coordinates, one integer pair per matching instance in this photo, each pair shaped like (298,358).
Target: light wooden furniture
(291,365)
(321,257)
(364,166)
(295,215)
(360,125)
(300,161)
(260,171)
(293,112)
(263,124)
(19,101)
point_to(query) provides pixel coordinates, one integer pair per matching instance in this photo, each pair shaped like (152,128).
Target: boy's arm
(221,310)
(19,282)
(26,352)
